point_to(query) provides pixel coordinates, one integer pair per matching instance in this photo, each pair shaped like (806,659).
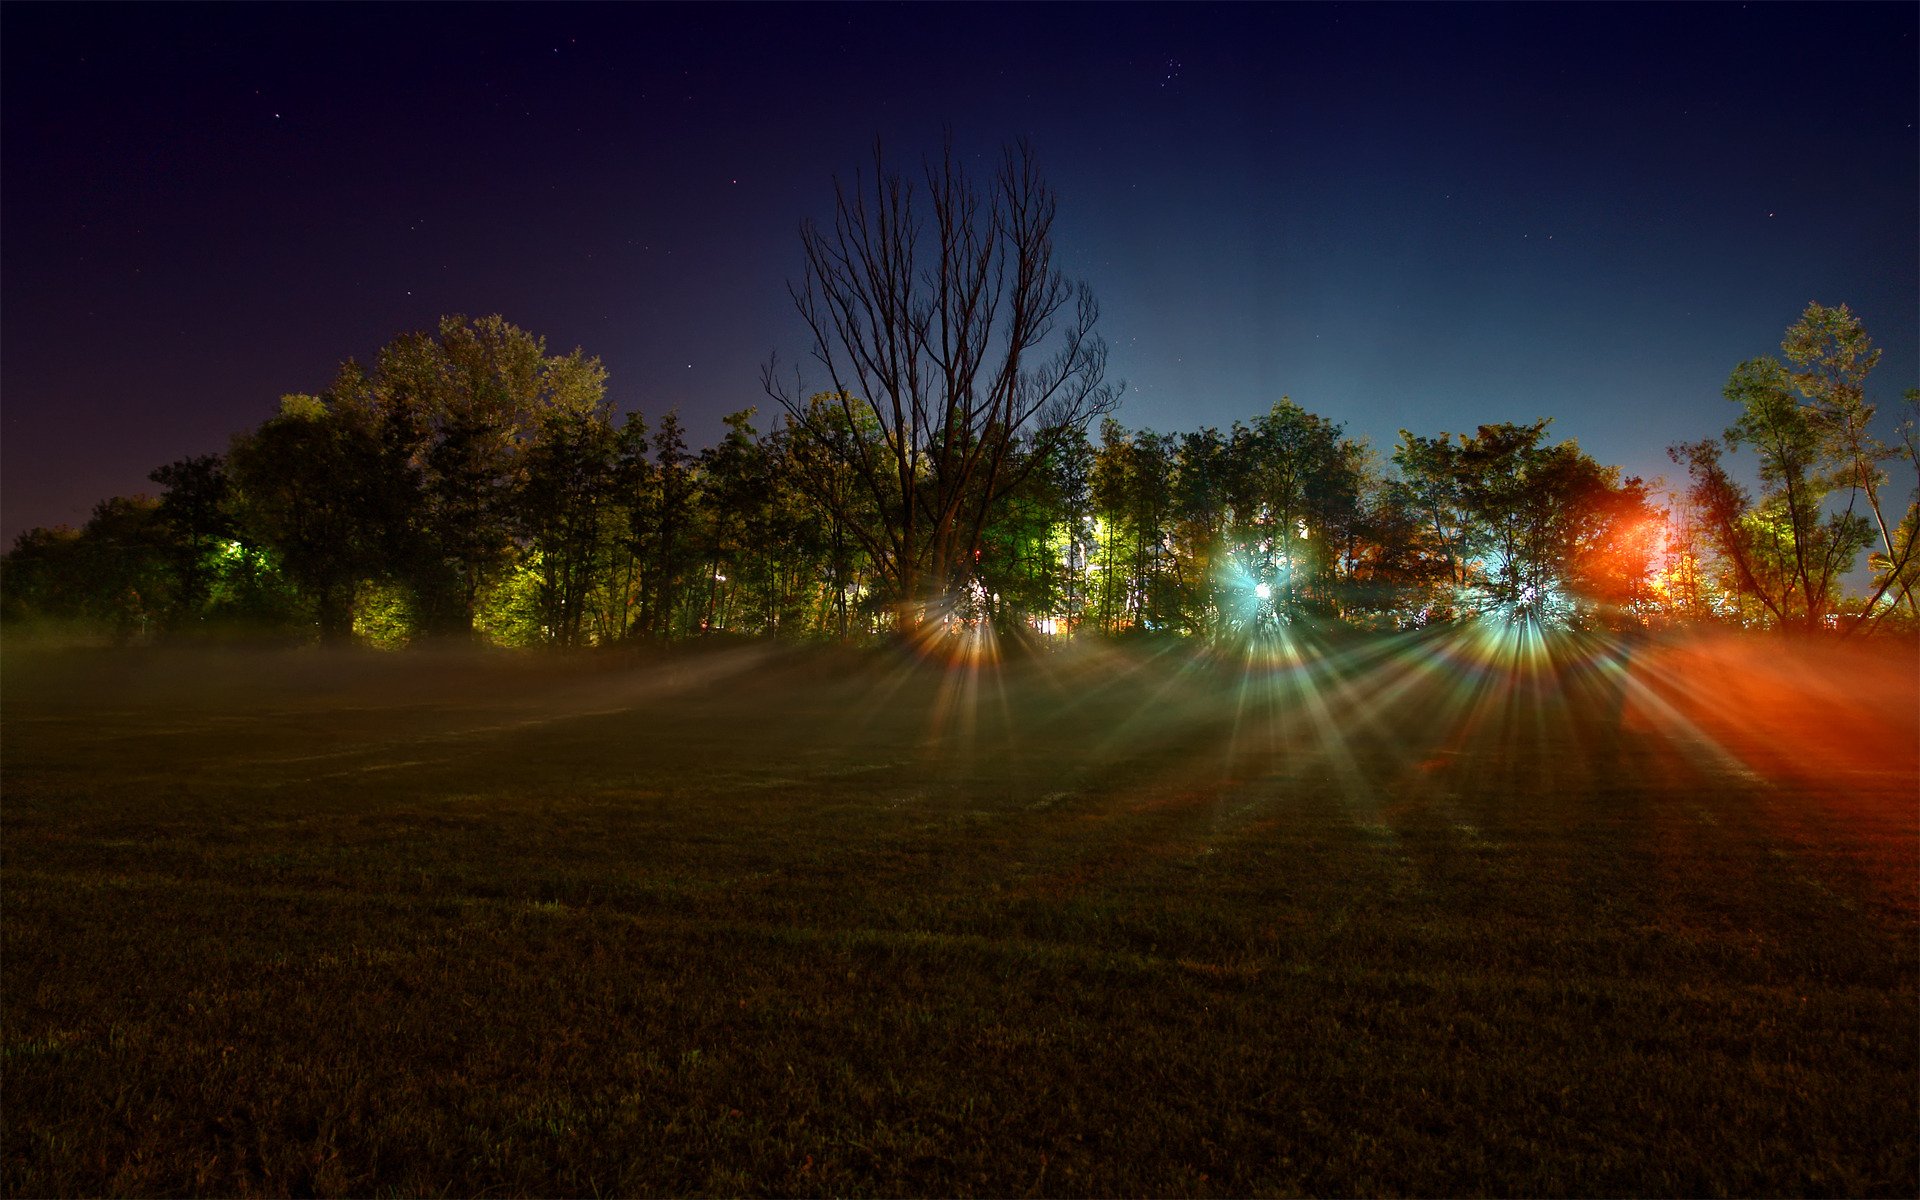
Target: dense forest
(471,485)
(962,469)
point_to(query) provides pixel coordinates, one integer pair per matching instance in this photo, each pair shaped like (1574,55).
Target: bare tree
(945,343)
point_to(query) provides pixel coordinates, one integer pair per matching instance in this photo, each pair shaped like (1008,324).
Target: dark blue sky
(1427,216)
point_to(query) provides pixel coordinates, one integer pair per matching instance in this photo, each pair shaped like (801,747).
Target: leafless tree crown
(945,332)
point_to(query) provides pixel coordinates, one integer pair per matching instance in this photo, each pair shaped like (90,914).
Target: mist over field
(1371,914)
(1759,702)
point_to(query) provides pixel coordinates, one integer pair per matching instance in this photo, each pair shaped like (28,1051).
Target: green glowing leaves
(1807,426)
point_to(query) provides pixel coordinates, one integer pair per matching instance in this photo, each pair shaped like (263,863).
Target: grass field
(1412,915)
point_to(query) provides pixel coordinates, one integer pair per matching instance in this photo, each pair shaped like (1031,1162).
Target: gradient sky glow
(1425,217)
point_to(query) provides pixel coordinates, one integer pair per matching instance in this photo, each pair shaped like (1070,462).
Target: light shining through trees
(1364,715)
(513,509)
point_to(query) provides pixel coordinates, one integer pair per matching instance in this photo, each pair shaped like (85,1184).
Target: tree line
(470,484)
(957,464)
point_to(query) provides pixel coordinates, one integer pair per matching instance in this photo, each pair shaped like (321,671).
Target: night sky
(1428,217)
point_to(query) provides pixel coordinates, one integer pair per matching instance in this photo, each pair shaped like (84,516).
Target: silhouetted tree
(193,513)
(664,526)
(303,480)
(1293,478)
(41,577)
(1897,571)
(1200,511)
(1808,427)
(1523,527)
(470,483)
(1830,356)
(957,335)
(564,497)
(821,460)
(632,483)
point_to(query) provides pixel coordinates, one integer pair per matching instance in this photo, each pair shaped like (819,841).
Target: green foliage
(473,471)
(1806,421)
(469,401)
(383,616)
(513,609)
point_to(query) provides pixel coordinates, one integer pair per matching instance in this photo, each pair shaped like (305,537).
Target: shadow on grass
(1414,915)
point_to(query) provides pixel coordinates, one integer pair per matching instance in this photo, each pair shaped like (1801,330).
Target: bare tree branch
(945,341)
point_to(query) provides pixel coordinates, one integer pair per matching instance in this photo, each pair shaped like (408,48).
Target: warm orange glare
(1792,712)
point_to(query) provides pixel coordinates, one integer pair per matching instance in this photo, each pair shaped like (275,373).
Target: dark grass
(1102,923)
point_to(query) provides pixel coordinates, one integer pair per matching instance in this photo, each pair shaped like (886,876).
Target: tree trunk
(336,613)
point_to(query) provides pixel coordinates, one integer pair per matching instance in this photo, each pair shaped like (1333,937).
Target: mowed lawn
(1411,915)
